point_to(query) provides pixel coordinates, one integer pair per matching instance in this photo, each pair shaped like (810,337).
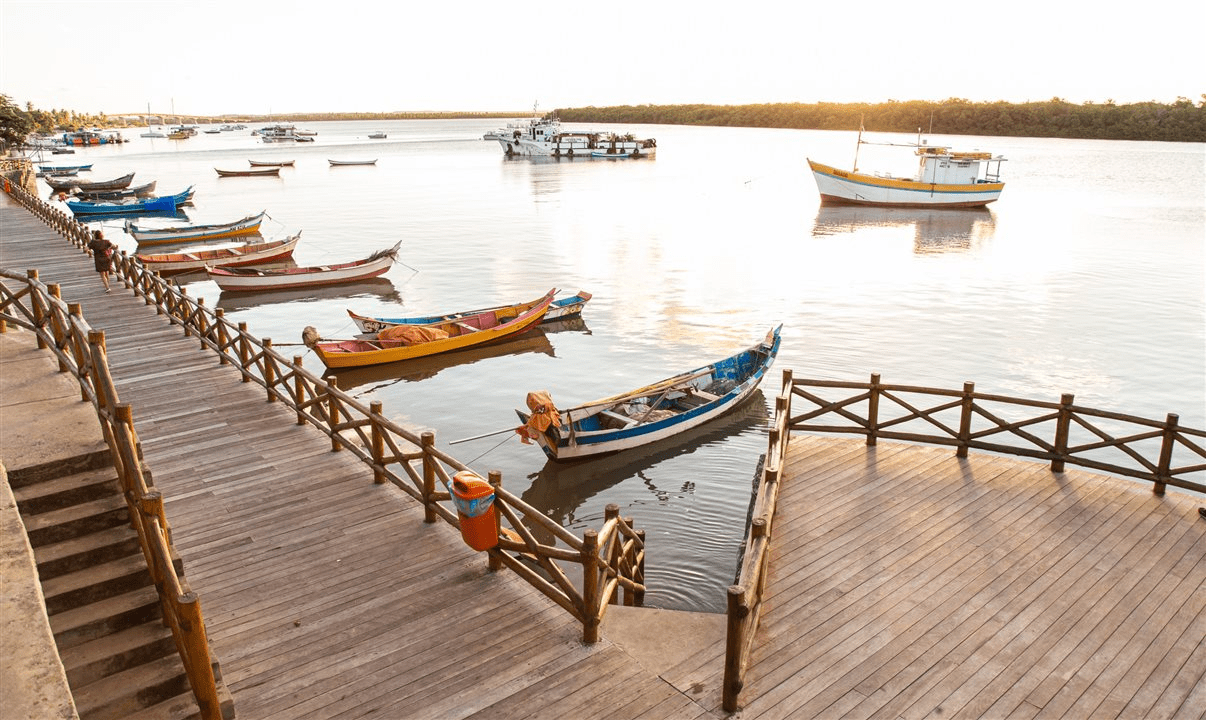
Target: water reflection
(935,230)
(380,286)
(381,376)
(560,488)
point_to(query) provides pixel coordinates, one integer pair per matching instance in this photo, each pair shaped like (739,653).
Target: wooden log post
(220,321)
(244,352)
(77,350)
(590,586)
(1063,425)
(56,326)
(269,370)
(35,304)
(873,411)
(494,477)
(734,641)
(758,530)
(96,343)
(199,666)
(965,419)
(429,477)
(376,438)
(201,321)
(333,414)
(612,512)
(299,389)
(181,311)
(1164,469)
(638,597)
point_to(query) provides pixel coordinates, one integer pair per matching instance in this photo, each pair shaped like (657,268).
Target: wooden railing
(1160,452)
(610,559)
(27,302)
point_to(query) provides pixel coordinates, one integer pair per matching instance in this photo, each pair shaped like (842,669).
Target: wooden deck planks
(909,583)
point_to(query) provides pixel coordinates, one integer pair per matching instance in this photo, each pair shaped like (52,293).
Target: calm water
(1086,277)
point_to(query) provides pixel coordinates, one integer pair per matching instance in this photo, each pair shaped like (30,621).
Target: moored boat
(143,190)
(406,342)
(647,414)
(250,279)
(559,309)
(190,233)
(546,138)
(249,172)
(270,163)
(160,204)
(62,169)
(945,179)
(335,163)
(377,135)
(71,182)
(242,255)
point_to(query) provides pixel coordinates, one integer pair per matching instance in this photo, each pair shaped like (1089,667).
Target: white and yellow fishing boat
(945,179)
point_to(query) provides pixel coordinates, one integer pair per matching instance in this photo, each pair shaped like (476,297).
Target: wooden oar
(645,391)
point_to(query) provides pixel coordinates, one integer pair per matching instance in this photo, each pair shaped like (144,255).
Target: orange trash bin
(474,500)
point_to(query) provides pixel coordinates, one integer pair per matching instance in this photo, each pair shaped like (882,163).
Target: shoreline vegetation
(1180,121)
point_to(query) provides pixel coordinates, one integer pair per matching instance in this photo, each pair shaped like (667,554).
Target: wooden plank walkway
(904,582)
(326,596)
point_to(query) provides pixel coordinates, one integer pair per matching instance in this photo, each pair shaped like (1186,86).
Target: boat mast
(859,143)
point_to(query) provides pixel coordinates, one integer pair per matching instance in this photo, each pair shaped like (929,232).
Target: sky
(214,57)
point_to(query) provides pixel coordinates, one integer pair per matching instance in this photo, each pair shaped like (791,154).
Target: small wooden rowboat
(197,260)
(143,190)
(249,172)
(559,310)
(336,163)
(270,163)
(647,414)
(249,225)
(148,205)
(406,342)
(250,279)
(68,183)
(60,169)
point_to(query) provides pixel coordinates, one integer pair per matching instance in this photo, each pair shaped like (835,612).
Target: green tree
(15,123)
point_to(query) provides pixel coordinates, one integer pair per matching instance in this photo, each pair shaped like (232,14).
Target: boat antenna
(858,144)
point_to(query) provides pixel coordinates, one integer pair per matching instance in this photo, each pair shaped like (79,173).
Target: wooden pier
(903,581)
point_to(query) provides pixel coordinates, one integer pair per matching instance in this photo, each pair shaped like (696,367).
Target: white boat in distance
(335,163)
(945,179)
(546,138)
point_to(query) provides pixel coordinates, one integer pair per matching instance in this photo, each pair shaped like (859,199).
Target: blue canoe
(559,310)
(650,413)
(160,204)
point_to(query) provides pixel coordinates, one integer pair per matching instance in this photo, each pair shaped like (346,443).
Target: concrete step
(92,584)
(88,662)
(94,620)
(55,493)
(57,559)
(70,522)
(134,690)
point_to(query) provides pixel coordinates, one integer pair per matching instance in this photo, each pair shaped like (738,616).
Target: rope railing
(1162,453)
(407,459)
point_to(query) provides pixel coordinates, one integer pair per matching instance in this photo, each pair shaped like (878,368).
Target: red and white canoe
(197,260)
(251,279)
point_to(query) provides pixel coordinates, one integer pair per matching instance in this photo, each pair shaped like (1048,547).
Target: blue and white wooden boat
(249,225)
(560,309)
(648,414)
(945,179)
(61,169)
(160,204)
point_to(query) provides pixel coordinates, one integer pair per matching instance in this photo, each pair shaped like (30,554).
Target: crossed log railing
(28,303)
(611,559)
(1160,452)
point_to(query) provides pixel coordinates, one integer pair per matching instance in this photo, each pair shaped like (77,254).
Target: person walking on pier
(102,256)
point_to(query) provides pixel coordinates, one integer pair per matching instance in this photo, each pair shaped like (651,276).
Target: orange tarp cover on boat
(411,334)
(544,415)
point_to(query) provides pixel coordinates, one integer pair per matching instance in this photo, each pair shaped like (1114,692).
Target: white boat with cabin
(945,179)
(546,138)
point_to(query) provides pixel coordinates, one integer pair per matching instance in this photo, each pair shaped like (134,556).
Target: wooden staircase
(120,658)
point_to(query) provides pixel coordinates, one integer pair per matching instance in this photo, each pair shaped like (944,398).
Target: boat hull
(162,204)
(558,310)
(362,353)
(842,187)
(746,369)
(231,280)
(160,236)
(251,254)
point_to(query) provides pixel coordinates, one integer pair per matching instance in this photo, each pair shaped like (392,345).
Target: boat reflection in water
(935,229)
(378,286)
(376,377)
(381,376)
(559,489)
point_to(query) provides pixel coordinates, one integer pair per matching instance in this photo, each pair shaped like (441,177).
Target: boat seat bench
(624,420)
